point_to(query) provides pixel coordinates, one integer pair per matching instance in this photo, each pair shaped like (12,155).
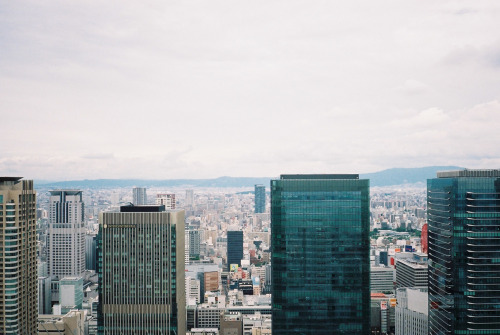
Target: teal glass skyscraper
(320,255)
(260,199)
(464,252)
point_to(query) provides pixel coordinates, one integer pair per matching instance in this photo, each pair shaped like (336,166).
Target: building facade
(260,199)
(382,279)
(66,237)
(18,264)
(464,252)
(166,199)
(139,196)
(320,254)
(411,273)
(234,248)
(412,311)
(141,272)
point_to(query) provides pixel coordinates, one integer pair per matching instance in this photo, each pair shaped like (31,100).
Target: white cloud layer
(195,89)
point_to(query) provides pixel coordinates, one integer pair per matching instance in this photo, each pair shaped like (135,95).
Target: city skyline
(257,88)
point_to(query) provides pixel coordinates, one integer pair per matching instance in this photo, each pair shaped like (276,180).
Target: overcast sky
(201,89)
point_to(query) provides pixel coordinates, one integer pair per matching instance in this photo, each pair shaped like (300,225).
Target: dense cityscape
(307,254)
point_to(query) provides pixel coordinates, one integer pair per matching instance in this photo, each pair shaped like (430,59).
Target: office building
(234,248)
(231,323)
(18,264)
(66,247)
(189,198)
(166,199)
(141,272)
(44,295)
(71,292)
(91,251)
(72,323)
(411,311)
(320,254)
(411,273)
(260,199)
(382,279)
(464,252)
(139,196)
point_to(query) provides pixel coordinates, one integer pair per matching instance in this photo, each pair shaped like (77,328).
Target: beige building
(141,271)
(18,264)
(73,323)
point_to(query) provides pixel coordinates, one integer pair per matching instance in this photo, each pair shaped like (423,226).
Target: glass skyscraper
(464,252)
(260,199)
(234,248)
(320,255)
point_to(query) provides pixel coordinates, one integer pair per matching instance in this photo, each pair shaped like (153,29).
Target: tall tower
(260,199)
(464,252)
(189,198)
(66,246)
(320,254)
(141,272)
(139,196)
(18,265)
(234,247)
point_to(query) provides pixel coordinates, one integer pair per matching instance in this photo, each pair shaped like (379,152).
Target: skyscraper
(260,199)
(320,254)
(66,235)
(166,199)
(141,272)
(234,248)
(464,252)
(18,264)
(139,196)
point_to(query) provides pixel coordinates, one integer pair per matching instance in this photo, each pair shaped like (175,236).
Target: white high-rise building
(192,290)
(166,199)
(412,311)
(139,196)
(189,198)
(66,246)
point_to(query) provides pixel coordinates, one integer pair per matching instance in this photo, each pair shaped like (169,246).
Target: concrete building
(412,312)
(382,279)
(189,198)
(231,323)
(18,263)
(141,271)
(320,254)
(192,290)
(72,323)
(66,247)
(166,199)
(139,196)
(411,273)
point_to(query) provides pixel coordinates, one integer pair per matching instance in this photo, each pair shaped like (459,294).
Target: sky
(202,89)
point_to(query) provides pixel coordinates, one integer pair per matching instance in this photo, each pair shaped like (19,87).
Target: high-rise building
(320,254)
(91,251)
(141,272)
(411,273)
(411,311)
(382,279)
(71,289)
(66,246)
(44,295)
(18,264)
(464,252)
(189,198)
(166,199)
(139,196)
(260,199)
(234,248)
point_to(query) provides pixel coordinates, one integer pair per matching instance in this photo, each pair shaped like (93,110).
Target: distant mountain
(400,176)
(390,177)
(115,183)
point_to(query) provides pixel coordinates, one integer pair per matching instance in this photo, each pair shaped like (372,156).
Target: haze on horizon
(202,89)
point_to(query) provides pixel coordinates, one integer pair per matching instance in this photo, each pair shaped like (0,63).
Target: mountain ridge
(388,177)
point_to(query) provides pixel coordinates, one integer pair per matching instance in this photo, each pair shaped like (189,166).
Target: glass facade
(260,199)
(464,252)
(320,254)
(234,248)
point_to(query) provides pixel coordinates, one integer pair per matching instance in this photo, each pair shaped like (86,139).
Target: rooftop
(469,173)
(319,176)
